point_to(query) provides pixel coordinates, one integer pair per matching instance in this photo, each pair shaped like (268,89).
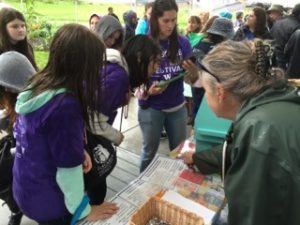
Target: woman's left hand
(87,163)
(192,70)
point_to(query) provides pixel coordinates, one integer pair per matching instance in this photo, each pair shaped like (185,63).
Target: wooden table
(126,170)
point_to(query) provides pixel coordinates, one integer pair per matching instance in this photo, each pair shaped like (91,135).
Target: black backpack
(103,156)
(6,174)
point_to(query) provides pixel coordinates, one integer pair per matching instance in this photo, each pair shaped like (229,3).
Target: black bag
(6,174)
(103,156)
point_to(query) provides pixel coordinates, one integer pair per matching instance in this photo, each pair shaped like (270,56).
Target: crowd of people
(241,67)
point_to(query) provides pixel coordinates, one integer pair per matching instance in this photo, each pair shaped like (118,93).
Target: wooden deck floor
(126,170)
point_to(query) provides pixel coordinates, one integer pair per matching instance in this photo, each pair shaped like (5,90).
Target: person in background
(114,94)
(275,12)
(193,29)
(130,20)
(115,80)
(198,92)
(255,27)
(226,14)
(94,19)
(281,31)
(220,30)
(15,70)
(165,105)
(143,24)
(53,112)
(194,26)
(292,51)
(13,34)
(203,32)
(111,12)
(239,16)
(204,17)
(259,161)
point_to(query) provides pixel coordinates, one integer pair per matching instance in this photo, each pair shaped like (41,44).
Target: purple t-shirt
(48,138)
(173,95)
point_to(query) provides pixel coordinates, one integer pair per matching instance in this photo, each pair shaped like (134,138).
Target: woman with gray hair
(260,158)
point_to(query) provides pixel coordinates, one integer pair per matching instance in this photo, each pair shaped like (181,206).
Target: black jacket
(281,32)
(292,51)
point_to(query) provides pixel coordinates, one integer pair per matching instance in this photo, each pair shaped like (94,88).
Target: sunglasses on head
(202,67)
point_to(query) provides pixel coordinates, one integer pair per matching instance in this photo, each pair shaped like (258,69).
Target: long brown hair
(261,21)
(7,15)
(75,62)
(158,9)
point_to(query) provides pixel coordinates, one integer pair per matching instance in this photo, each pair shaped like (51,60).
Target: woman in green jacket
(261,155)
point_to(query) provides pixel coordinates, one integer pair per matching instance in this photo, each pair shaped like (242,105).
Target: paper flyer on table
(162,171)
(139,191)
(179,200)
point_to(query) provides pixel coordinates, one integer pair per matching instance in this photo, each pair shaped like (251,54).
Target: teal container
(209,130)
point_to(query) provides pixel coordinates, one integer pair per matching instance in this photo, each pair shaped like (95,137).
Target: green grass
(61,12)
(41,58)
(67,11)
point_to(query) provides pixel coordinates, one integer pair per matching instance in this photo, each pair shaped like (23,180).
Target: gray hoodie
(108,25)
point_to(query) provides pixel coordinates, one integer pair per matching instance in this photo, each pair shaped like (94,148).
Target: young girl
(143,56)
(114,94)
(165,105)
(13,34)
(13,38)
(143,24)
(15,70)
(115,81)
(49,130)
(94,19)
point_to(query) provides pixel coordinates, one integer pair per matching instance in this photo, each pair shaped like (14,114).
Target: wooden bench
(126,170)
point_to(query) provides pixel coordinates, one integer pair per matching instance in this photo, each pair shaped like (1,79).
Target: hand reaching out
(103,211)
(192,70)
(188,157)
(156,90)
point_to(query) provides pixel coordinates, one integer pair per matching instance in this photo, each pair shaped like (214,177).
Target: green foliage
(39,30)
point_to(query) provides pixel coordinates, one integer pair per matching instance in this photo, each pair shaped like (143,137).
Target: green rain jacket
(262,180)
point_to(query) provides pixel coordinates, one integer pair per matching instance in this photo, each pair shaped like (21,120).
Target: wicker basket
(156,207)
(295,82)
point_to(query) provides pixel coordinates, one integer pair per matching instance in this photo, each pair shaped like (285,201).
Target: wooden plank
(128,156)
(128,167)
(110,193)
(115,184)
(126,170)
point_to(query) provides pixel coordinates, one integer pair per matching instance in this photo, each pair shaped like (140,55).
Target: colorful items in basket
(157,221)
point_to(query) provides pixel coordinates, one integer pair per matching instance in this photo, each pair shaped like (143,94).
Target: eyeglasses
(210,73)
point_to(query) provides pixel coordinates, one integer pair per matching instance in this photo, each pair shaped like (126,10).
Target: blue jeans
(152,122)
